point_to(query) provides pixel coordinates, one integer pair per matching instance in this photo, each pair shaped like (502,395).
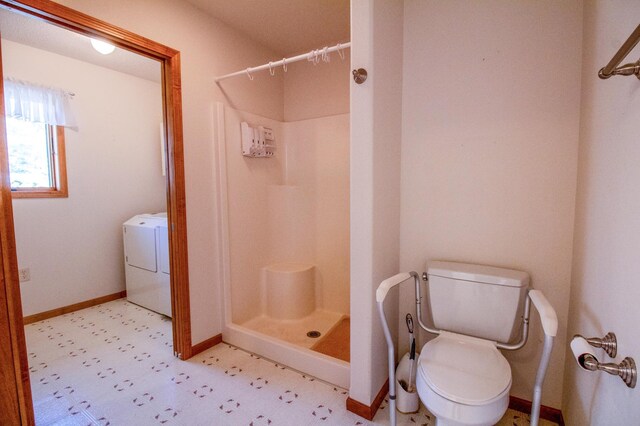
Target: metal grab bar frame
(506,346)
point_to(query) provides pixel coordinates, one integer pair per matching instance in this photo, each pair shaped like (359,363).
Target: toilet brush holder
(406,402)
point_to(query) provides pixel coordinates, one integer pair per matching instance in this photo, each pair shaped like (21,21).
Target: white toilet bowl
(463,380)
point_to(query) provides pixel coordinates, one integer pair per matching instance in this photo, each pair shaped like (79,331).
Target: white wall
(604,289)
(248,180)
(312,162)
(316,107)
(318,160)
(491,95)
(376,105)
(208,48)
(73,246)
(292,207)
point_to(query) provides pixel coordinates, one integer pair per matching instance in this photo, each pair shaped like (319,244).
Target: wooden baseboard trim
(515,403)
(366,411)
(547,413)
(72,308)
(203,346)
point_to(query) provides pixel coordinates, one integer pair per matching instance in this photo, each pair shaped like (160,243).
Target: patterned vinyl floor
(112,364)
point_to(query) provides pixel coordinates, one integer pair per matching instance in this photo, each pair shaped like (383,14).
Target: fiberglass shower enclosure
(286,238)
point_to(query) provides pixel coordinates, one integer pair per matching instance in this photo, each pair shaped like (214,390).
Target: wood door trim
(10,403)
(12,305)
(79,22)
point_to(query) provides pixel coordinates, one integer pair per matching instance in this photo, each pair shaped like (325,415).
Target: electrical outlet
(25,274)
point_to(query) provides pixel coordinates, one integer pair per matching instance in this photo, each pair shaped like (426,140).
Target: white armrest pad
(386,285)
(547,313)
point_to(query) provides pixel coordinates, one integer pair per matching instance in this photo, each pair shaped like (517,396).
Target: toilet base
(449,413)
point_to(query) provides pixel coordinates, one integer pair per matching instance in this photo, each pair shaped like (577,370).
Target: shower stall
(285,238)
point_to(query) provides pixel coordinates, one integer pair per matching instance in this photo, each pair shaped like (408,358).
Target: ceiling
(44,36)
(285,26)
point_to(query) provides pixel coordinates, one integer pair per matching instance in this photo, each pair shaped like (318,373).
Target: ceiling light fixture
(102,46)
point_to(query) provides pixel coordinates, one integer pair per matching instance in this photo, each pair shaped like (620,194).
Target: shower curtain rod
(314,55)
(632,68)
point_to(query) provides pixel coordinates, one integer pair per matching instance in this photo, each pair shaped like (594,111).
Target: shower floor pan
(295,331)
(286,342)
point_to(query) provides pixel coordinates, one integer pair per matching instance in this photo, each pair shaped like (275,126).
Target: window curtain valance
(38,104)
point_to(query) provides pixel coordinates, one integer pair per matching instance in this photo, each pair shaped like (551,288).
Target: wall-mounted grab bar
(632,68)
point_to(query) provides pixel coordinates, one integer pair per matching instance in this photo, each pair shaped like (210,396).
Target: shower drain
(314,334)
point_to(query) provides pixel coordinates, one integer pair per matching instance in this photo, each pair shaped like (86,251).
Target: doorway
(17,406)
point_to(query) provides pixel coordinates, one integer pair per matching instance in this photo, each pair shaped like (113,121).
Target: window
(37,164)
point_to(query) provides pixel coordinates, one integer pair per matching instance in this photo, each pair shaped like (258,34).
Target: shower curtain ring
(284,64)
(248,70)
(325,54)
(271,70)
(340,52)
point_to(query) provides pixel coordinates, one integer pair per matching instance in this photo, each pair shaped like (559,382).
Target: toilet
(475,311)
(462,378)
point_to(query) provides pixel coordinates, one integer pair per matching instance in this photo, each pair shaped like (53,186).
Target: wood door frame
(10,301)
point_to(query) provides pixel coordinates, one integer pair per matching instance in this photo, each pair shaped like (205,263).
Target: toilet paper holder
(609,343)
(626,369)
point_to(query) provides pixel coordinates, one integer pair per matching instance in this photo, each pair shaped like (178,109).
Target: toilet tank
(476,300)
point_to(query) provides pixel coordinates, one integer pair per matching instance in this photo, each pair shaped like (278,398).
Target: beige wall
(604,289)
(73,246)
(489,150)
(208,48)
(376,28)
(317,91)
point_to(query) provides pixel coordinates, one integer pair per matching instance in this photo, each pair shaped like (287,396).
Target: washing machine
(146,262)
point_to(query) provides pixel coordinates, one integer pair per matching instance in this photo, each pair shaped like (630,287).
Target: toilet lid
(464,369)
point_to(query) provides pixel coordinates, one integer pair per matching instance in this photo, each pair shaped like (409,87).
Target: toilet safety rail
(548,318)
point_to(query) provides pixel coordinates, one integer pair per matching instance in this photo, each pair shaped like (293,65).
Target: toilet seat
(464,369)
(463,380)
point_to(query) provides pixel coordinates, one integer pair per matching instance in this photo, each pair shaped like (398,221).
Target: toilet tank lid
(478,273)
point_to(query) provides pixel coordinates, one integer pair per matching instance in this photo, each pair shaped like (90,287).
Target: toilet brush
(412,351)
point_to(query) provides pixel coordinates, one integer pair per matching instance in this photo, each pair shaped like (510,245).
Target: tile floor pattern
(112,364)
